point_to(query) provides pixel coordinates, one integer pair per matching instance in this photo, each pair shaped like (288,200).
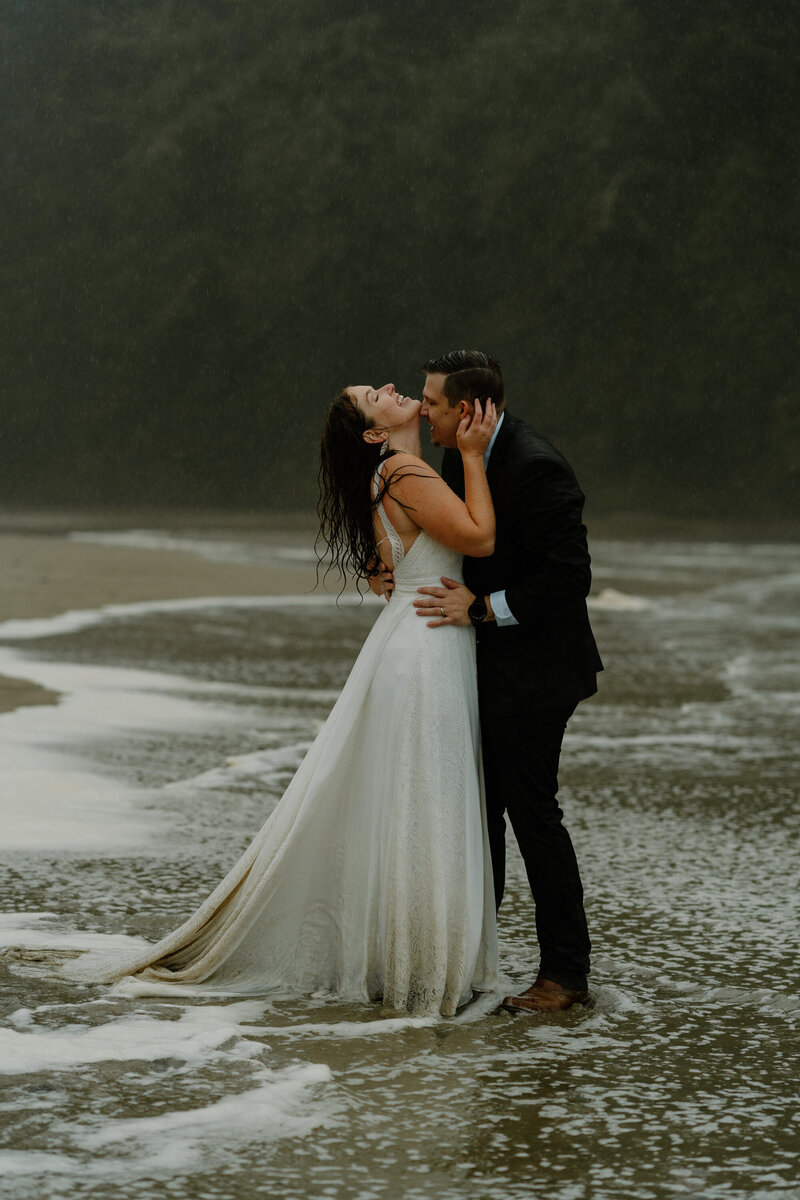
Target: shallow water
(177,731)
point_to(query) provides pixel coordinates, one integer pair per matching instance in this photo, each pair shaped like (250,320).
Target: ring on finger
(441,610)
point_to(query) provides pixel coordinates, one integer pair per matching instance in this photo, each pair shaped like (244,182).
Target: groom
(536,654)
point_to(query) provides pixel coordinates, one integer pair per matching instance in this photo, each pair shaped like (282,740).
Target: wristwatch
(477,610)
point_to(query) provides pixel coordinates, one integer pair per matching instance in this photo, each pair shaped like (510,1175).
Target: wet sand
(43,576)
(17,693)
(178,730)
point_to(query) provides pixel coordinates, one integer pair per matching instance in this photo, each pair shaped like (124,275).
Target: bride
(371,879)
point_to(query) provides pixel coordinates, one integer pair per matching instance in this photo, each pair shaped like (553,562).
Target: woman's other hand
(476,430)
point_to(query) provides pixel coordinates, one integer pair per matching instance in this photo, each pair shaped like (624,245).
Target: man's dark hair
(476,383)
(463,360)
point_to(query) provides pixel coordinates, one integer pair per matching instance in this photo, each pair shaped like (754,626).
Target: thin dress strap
(392,536)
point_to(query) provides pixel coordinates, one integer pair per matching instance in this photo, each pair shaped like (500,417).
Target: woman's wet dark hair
(346,503)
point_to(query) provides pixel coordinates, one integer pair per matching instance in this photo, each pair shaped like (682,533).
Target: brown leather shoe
(544,995)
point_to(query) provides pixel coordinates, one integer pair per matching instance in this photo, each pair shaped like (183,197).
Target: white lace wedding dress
(372,876)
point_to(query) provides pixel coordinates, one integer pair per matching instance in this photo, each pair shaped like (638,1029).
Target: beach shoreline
(51,566)
(302,527)
(45,575)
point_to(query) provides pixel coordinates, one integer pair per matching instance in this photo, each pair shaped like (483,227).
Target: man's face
(443,420)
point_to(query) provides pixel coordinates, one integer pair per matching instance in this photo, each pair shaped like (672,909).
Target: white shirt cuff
(502,613)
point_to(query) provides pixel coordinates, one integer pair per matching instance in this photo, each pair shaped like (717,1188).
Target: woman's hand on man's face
(476,430)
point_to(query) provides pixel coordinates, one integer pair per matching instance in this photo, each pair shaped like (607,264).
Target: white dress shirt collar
(488,450)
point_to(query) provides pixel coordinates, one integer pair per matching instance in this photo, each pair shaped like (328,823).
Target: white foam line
(9,919)
(51,793)
(208,549)
(200,1033)
(68,677)
(47,804)
(712,740)
(610,600)
(277,1107)
(65,676)
(343,1029)
(29,931)
(266,765)
(74,620)
(677,553)
(36,1162)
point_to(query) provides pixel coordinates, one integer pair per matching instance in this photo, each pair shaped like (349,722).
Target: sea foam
(198,1035)
(610,600)
(278,1106)
(74,620)
(51,796)
(221,550)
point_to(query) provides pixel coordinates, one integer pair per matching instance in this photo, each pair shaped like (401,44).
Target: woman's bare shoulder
(402,463)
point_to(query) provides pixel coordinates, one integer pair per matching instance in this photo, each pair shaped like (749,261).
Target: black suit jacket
(541,560)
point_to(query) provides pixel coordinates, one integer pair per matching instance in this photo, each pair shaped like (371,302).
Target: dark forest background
(218,212)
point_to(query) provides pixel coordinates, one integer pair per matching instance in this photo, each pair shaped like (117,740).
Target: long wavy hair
(346,503)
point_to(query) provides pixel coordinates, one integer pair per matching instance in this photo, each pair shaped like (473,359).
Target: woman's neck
(406,438)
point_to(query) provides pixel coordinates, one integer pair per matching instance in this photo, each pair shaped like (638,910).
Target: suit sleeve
(552,551)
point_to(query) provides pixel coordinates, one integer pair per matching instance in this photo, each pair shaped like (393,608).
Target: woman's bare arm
(466,526)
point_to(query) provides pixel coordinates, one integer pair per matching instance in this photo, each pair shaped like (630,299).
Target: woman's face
(385,407)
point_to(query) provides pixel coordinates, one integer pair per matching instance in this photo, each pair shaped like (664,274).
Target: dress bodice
(424,562)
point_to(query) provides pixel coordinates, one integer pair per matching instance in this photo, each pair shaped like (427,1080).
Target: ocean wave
(197,1035)
(610,600)
(265,766)
(28,628)
(219,550)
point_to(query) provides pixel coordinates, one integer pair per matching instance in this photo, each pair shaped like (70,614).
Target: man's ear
(375,435)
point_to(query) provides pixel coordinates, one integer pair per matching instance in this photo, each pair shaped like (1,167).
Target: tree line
(218,212)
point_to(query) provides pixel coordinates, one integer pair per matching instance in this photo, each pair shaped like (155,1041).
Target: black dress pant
(520,760)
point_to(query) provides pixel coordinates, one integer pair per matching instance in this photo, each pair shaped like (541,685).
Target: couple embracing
(379,872)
